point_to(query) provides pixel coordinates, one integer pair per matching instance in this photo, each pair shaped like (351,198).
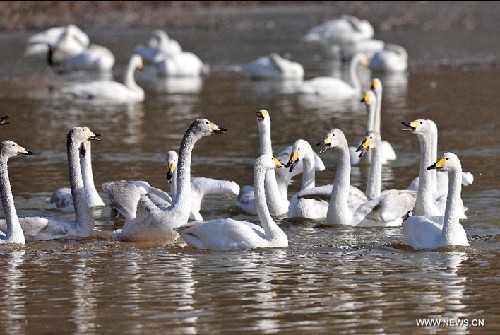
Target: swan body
(157,224)
(302,207)
(159,45)
(62,198)
(95,58)
(229,234)
(13,231)
(429,201)
(276,181)
(393,58)
(77,42)
(273,67)
(431,232)
(341,30)
(335,87)
(182,64)
(111,91)
(40,228)
(347,207)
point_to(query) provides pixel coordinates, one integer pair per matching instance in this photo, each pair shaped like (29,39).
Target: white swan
(341,30)
(62,198)
(111,91)
(277,181)
(429,202)
(229,234)
(432,232)
(158,223)
(347,204)
(40,42)
(13,231)
(372,100)
(159,45)
(272,67)
(39,228)
(94,58)
(393,58)
(301,207)
(335,87)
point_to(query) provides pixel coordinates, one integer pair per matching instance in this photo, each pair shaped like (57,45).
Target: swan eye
(421,122)
(13,145)
(206,122)
(447,158)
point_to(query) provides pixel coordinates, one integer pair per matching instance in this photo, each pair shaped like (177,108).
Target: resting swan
(276,181)
(94,58)
(62,198)
(229,234)
(432,232)
(159,45)
(273,67)
(158,223)
(341,30)
(429,202)
(13,230)
(335,87)
(40,42)
(111,91)
(347,204)
(39,228)
(393,58)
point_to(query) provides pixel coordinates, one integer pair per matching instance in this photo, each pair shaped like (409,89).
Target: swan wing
(421,232)
(124,195)
(215,186)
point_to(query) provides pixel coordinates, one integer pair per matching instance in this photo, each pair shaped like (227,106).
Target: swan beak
(294,159)
(261,115)
(364,146)
(217,130)
(410,125)
(327,143)
(95,137)
(375,85)
(23,151)
(366,98)
(3,120)
(365,62)
(277,163)
(170,172)
(438,165)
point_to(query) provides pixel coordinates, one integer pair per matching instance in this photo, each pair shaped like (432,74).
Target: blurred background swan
(272,66)
(159,45)
(393,58)
(38,44)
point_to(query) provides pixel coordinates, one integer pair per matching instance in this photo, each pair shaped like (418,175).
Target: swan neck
(424,202)
(129,76)
(270,227)
(309,172)
(353,72)
(452,213)
(374,185)
(13,225)
(88,176)
(378,110)
(265,138)
(338,211)
(84,216)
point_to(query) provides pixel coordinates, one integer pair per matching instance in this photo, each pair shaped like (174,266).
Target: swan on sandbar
(110,91)
(230,234)
(62,198)
(157,224)
(40,228)
(334,87)
(272,67)
(433,232)
(13,231)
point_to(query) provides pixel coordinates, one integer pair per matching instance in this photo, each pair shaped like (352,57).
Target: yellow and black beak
(23,151)
(218,130)
(364,147)
(410,125)
(438,165)
(277,163)
(326,143)
(170,172)
(294,159)
(366,98)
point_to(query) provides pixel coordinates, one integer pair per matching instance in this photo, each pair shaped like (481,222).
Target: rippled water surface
(330,279)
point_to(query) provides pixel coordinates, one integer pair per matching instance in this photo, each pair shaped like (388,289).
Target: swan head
(370,140)
(448,162)
(420,126)
(172,158)
(205,127)
(335,138)
(10,149)
(299,150)
(137,62)
(80,135)
(376,85)
(369,98)
(268,162)
(263,116)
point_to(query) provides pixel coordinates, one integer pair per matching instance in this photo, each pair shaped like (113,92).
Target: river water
(330,279)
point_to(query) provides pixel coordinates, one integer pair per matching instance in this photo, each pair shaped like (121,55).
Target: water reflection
(171,85)
(12,311)
(269,87)
(85,297)
(395,86)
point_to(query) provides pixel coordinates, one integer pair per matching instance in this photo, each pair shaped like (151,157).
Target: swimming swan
(334,87)
(432,232)
(273,67)
(429,202)
(13,230)
(158,223)
(347,204)
(62,198)
(39,228)
(159,45)
(340,30)
(111,91)
(393,58)
(94,58)
(229,234)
